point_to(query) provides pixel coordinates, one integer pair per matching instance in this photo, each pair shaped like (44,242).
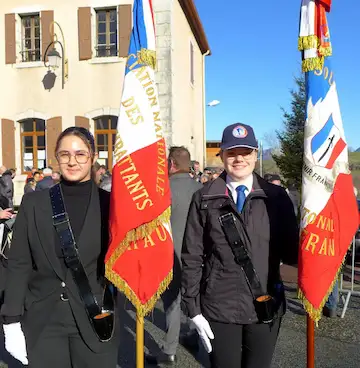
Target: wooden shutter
(53,130)
(10,39)
(84,30)
(46,18)
(124,26)
(8,143)
(81,121)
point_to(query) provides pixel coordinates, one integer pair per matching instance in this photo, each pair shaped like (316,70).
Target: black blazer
(35,276)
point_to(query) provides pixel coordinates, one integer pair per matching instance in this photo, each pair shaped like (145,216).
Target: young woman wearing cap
(46,317)
(239,229)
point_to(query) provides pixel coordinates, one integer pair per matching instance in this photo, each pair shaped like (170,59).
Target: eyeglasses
(81,157)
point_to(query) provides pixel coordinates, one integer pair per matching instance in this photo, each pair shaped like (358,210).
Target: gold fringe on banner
(136,234)
(147,57)
(325,51)
(142,309)
(315,63)
(308,42)
(314,313)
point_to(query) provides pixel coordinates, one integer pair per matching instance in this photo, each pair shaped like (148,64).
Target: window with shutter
(105,135)
(84,33)
(53,130)
(125,24)
(106,32)
(30,38)
(33,148)
(10,39)
(8,143)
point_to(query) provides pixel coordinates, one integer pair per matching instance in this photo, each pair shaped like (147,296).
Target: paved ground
(337,340)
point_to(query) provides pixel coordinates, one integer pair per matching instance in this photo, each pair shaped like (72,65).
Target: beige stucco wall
(94,88)
(90,86)
(188,105)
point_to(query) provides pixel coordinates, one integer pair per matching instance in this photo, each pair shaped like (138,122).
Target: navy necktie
(240,190)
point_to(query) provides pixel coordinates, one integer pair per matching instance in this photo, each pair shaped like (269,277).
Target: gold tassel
(314,313)
(147,57)
(142,309)
(315,63)
(308,42)
(325,51)
(136,234)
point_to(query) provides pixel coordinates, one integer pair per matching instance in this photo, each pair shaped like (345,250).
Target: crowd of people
(232,229)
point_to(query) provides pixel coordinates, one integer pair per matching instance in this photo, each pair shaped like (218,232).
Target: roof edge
(192,15)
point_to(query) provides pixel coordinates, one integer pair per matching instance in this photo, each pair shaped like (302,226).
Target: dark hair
(103,167)
(275,177)
(180,155)
(81,133)
(267,177)
(36,172)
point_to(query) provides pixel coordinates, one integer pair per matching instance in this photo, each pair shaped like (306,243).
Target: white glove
(15,342)
(204,330)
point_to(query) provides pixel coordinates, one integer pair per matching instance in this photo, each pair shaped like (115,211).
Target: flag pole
(310,343)
(139,341)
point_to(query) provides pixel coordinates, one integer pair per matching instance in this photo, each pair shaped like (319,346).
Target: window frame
(34,134)
(33,50)
(109,132)
(107,32)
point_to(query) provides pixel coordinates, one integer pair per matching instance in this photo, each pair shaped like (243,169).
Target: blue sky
(254,60)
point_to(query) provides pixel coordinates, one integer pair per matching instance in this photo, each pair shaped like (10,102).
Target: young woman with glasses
(46,322)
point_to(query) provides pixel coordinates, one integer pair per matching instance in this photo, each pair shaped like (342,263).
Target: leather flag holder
(264,303)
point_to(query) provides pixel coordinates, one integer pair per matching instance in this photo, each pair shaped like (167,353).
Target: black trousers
(243,346)
(61,346)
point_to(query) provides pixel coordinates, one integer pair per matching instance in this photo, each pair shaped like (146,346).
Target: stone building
(35,106)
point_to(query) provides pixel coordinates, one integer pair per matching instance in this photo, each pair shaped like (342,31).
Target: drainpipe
(204,107)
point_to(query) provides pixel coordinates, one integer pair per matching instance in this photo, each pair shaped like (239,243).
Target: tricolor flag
(140,257)
(329,214)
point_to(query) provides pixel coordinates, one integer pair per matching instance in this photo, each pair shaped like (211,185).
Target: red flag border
(134,235)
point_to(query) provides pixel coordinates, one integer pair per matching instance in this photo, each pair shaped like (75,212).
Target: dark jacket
(45,183)
(213,283)
(182,188)
(7,187)
(35,275)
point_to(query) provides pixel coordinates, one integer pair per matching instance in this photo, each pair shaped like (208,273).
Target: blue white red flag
(140,256)
(329,213)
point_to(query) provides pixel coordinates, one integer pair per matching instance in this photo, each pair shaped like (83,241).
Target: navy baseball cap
(238,135)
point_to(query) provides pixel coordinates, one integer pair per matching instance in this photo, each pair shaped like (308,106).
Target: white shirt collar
(232,185)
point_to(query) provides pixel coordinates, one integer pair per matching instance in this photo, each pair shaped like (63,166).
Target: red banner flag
(329,213)
(140,257)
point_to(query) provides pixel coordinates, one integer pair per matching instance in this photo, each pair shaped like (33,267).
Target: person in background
(37,176)
(106,181)
(7,184)
(30,186)
(45,320)
(196,171)
(204,178)
(56,176)
(47,182)
(275,179)
(182,188)
(215,292)
(31,173)
(98,172)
